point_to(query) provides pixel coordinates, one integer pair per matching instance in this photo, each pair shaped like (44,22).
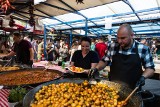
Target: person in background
(101,48)
(93,45)
(56,48)
(5,48)
(157,50)
(127,56)
(63,51)
(61,43)
(144,41)
(50,52)
(40,50)
(35,48)
(153,50)
(57,44)
(27,38)
(22,49)
(79,45)
(74,47)
(85,58)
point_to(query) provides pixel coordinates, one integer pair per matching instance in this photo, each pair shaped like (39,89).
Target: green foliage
(17,94)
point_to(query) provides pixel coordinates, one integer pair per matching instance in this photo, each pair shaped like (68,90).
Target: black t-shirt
(22,51)
(51,54)
(79,61)
(158,46)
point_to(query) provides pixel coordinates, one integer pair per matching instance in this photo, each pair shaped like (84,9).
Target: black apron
(126,68)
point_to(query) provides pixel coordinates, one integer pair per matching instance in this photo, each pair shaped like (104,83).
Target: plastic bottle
(60,61)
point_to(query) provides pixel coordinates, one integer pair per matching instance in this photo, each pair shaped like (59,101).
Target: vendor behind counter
(22,49)
(85,58)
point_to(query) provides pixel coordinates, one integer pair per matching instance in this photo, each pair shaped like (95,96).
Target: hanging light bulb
(31,21)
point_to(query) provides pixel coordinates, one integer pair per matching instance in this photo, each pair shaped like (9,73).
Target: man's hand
(140,82)
(92,72)
(4,58)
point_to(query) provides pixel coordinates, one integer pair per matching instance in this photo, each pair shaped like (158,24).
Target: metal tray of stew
(28,76)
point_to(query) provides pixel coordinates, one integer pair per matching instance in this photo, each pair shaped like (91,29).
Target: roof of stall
(49,8)
(64,15)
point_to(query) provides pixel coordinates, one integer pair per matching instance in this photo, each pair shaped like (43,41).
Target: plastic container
(12,104)
(59,63)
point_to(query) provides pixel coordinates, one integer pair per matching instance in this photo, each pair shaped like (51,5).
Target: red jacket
(101,49)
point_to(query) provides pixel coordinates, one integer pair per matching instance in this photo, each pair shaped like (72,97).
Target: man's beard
(125,46)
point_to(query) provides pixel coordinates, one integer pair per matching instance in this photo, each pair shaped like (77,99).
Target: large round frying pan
(134,101)
(13,76)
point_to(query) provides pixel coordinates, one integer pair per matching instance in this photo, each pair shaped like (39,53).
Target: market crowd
(57,48)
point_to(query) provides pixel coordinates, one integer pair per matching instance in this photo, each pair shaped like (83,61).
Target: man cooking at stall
(22,49)
(127,56)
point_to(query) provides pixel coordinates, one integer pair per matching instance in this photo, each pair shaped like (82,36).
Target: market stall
(67,77)
(45,76)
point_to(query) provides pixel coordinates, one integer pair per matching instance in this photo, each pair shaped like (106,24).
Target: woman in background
(5,48)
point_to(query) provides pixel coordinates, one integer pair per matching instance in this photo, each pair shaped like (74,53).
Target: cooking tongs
(94,77)
(8,62)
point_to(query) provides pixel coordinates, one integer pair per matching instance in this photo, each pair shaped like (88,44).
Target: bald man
(127,56)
